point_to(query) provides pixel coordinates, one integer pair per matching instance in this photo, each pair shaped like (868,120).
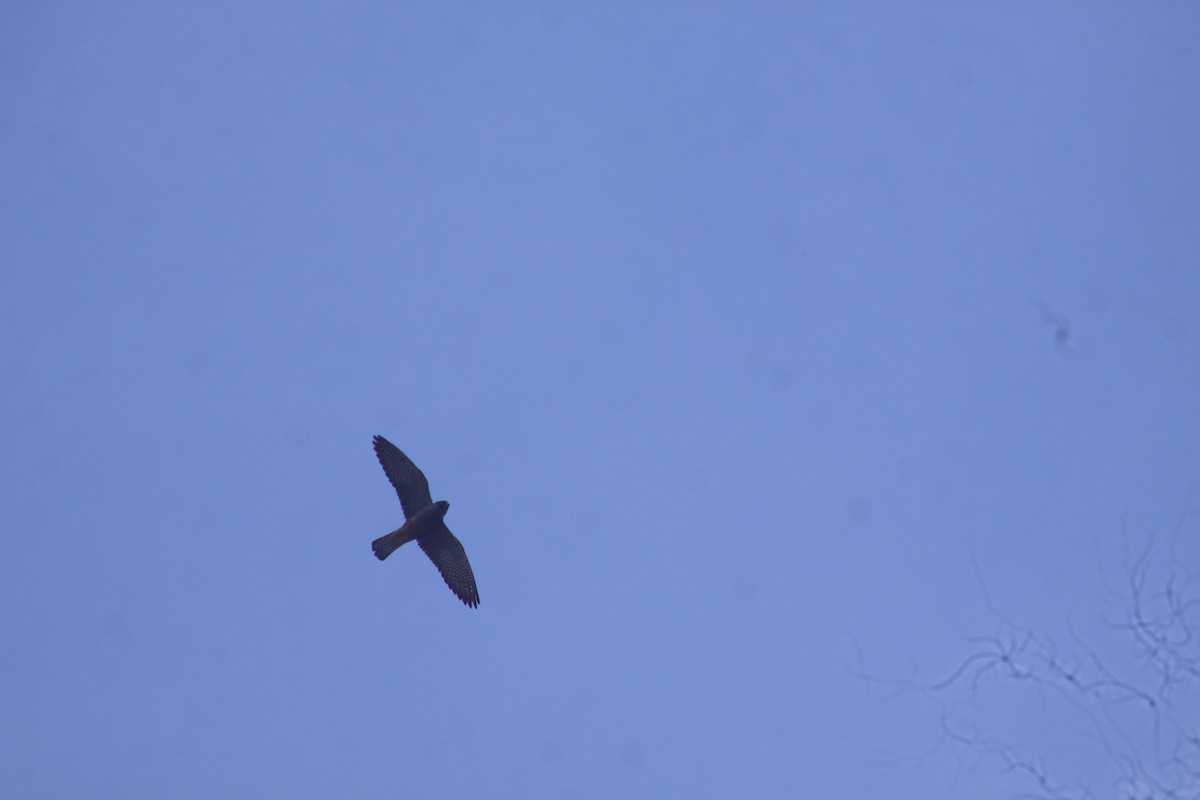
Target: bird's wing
(448,555)
(409,481)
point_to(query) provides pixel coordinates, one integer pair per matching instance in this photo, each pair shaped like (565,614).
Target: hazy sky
(735,334)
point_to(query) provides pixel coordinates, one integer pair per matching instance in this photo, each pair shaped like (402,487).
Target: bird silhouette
(424,520)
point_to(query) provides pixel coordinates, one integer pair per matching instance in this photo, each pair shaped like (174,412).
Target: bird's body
(425,523)
(425,520)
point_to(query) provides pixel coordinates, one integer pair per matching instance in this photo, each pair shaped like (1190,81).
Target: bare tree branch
(1143,715)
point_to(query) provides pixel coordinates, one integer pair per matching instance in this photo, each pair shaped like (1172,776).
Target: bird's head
(441,507)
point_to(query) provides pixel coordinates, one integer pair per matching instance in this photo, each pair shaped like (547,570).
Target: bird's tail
(387,544)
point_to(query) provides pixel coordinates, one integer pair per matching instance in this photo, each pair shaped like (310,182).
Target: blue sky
(727,330)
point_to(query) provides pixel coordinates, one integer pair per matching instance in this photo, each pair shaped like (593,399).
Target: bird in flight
(424,521)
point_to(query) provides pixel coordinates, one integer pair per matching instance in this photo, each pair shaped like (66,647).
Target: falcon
(424,520)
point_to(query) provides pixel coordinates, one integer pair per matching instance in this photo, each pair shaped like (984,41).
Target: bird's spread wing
(409,481)
(448,555)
